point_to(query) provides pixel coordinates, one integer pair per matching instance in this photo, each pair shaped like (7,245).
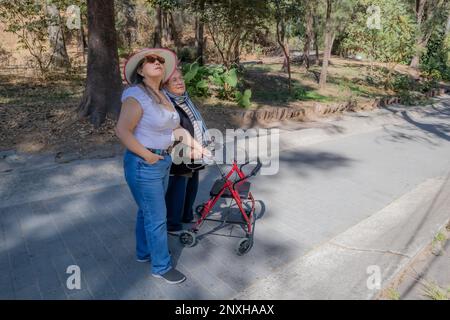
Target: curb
(305,113)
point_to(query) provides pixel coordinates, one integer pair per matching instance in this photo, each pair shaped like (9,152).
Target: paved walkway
(331,178)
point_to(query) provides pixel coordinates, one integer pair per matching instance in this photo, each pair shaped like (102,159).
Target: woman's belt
(161,152)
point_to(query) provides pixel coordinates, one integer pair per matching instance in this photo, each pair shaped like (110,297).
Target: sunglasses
(152,59)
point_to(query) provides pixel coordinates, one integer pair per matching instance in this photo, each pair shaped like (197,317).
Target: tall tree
(426,16)
(200,32)
(221,17)
(60,58)
(329,35)
(338,15)
(309,33)
(103,84)
(157,34)
(280,17)
(165,27)
(126,22)
(316,38)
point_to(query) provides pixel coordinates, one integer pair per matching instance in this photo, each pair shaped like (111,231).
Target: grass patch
(304,95)
(393,294)
(440,237)
(357,89)
(434,292)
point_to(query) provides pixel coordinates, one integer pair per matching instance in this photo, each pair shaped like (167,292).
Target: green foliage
(203,81)
(402,83)
(243,99)
(435,63)
(165,4)
(393,43)
(194,77)
(410,91)
(231,23)
(300,93)
(187,54)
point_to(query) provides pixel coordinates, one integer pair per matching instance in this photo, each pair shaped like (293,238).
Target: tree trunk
(308,40)
(175,33)
(130,24)
(328,45)
(285,52)
(421,44)
(237,50)
(60,58)
(316,41)
(165,27)
(103,84)
(157,35)
(447,28)
(82,44)
(199,41)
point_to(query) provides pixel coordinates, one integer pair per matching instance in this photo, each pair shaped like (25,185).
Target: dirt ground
(41,117)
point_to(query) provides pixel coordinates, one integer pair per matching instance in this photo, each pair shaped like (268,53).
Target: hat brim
(170,64)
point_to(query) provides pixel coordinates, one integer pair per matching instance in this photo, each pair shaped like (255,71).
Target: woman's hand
(196,154)
(153,158)
(199,154)
(206,152)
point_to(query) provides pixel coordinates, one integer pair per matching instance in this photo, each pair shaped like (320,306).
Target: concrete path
(363,190)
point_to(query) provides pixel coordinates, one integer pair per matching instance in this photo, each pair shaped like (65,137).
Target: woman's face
(176,85)
(152,70)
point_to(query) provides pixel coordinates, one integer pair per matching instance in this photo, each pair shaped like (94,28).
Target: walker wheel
(244,245)
(188,238)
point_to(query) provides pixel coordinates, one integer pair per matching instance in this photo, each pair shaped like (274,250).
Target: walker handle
(255,169)
(251,174)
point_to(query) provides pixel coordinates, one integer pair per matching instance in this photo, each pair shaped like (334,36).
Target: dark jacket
(180,169)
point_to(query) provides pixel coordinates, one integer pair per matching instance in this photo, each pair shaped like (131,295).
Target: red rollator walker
(239,191)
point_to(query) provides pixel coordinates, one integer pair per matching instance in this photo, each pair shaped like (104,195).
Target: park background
(246,63)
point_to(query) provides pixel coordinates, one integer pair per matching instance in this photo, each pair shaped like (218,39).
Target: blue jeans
(148,185)
(180,198)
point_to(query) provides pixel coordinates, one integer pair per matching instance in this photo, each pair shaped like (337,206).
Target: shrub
(203,81)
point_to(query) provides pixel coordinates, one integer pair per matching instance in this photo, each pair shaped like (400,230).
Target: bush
(410,98)
(203,81)
(187,54)
(402,83)
(435,62)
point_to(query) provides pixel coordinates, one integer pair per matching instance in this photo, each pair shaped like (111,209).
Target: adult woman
(147,126)
(184,180)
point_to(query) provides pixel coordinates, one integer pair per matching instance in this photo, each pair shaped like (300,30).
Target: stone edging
(304,113)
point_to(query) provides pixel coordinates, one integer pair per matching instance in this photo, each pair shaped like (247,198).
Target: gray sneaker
(172,276)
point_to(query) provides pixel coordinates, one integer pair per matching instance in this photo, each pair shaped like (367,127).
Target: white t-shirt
(155,129)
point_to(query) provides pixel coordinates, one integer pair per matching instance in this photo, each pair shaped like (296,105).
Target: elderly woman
(184,179)
(147,126)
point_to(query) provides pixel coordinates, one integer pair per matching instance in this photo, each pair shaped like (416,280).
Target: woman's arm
(130,114)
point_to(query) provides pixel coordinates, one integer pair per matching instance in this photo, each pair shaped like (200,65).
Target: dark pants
(180,198)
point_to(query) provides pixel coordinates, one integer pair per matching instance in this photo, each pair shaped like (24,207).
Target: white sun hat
(130,68)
